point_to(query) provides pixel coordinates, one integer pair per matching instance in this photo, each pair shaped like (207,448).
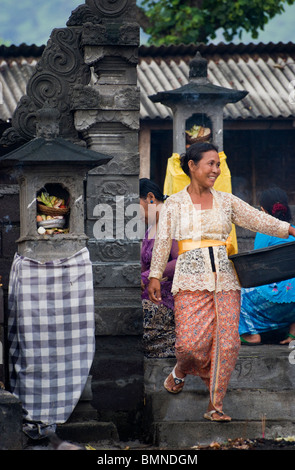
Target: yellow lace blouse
(180,220)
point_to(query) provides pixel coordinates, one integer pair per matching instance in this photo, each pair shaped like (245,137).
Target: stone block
(10,234)
(88,431)
(115,275)
(120,347)
(11,435)
(123,395)
(118,321)
(5,266)
(113,250)
(107,187)
(117,373)
(110,34)
(9,207)
(121,164)
(109,138)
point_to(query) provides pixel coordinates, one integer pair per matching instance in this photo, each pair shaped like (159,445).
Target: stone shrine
(88,73)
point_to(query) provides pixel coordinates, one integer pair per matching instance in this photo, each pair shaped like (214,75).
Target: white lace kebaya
(181,220)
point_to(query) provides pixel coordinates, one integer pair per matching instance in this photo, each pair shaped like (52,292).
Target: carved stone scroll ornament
(81,15)
(111,8)
(63,66)
(60,67)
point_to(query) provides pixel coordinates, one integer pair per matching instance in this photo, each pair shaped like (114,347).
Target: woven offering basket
(52,210)
(199,138)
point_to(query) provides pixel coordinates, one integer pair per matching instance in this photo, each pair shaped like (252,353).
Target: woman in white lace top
(205,286)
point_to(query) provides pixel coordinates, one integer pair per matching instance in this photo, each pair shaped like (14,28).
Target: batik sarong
(207,337)
(158,330)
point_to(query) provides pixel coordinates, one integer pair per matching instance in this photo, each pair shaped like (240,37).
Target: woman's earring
(152,202)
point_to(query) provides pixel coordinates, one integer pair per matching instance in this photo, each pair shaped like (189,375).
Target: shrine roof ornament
(199,88)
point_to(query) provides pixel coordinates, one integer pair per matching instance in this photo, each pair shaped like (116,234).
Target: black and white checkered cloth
(51,334)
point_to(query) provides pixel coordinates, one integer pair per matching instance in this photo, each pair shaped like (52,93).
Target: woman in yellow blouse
(205,286)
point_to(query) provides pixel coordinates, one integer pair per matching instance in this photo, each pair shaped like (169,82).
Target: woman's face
(145,205)
(150,208)
(207,170)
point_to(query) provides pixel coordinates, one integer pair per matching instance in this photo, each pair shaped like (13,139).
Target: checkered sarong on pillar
(50,334)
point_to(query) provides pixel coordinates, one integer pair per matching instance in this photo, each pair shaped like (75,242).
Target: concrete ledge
(183,434)
(262,385)
(11,435)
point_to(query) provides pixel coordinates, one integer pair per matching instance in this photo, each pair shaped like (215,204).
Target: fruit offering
(50,217)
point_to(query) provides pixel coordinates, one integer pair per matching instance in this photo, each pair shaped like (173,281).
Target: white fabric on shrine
(50,334)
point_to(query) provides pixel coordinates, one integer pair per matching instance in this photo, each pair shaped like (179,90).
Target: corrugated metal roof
(266,71)
(14,75)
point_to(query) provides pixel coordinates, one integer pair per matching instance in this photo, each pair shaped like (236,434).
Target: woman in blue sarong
(268,311)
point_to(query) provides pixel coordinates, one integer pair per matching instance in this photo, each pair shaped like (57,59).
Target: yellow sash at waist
(187,245)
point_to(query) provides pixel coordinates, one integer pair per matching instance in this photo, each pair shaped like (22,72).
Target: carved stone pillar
(107,117)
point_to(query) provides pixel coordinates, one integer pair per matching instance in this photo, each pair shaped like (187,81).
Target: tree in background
(194,21)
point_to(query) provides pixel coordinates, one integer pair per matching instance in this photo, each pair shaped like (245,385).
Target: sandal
(288,342)
(209,415)
(177,381)
(248,343)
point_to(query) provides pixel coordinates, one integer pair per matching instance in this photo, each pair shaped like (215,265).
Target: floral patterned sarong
(207,337)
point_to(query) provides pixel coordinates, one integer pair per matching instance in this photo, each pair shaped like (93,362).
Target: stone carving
(81,15)
(127,98)
(243,369)
(129,34)
(61,65)
(109,8)
(113,188)
(85,120)
(94,34)
(99,273)
(132,274)
(23,122)
(85,97)
(119,165)
(116,251)
(93,54)
(47,122)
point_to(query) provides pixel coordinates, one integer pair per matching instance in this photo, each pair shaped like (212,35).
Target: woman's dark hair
(195,152)
(275,202)
(147,186)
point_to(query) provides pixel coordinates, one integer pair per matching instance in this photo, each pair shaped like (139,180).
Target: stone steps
(261,386)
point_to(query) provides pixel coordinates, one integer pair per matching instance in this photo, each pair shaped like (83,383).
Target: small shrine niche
(53,210)
(51,173)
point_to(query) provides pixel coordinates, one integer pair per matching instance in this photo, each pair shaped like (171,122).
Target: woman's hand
(154,290)
(292,230)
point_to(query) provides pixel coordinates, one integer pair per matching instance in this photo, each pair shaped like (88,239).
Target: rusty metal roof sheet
(266,71)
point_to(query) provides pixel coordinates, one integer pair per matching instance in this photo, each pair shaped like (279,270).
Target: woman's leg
(194,317)
(226,345)
(207,338)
